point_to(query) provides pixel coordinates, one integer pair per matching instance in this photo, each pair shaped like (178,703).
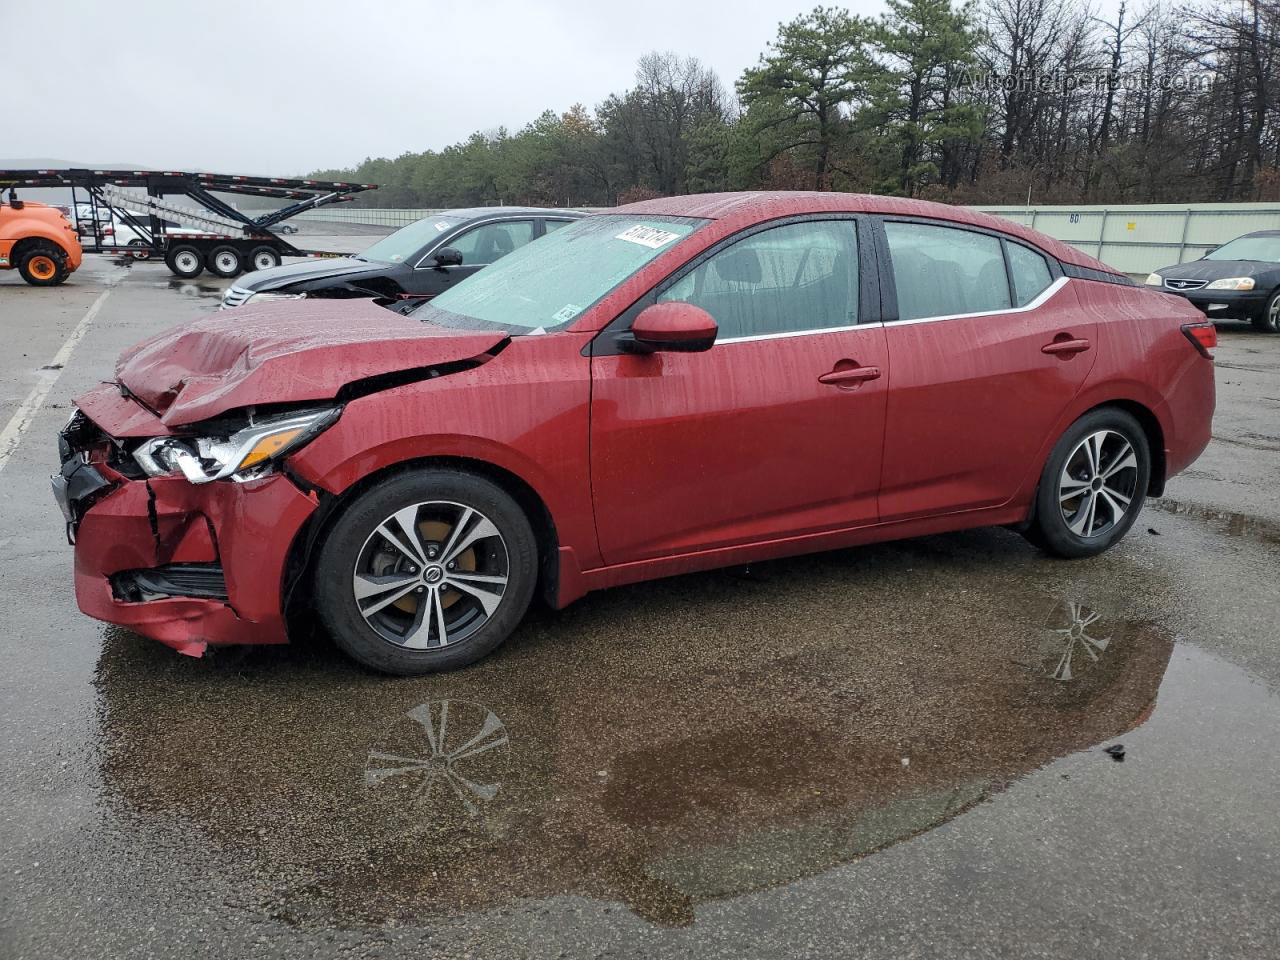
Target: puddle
(646,754)
(1223,521)
(197,291)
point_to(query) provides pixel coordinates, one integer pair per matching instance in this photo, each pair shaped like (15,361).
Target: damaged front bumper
(188,565)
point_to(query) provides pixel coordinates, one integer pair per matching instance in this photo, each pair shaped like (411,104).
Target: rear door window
(1030,271)
(944,271)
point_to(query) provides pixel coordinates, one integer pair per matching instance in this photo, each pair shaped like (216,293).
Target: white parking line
(20,421)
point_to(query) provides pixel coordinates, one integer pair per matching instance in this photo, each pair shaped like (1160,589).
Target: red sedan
(671,386)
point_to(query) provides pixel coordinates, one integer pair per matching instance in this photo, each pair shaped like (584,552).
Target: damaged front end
(167,552)
(173,477)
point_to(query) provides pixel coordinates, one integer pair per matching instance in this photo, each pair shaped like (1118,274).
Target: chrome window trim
(793,333)
(469,227)
(1039,301)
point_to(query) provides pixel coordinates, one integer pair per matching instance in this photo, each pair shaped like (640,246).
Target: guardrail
(1141,238)
(1136,238)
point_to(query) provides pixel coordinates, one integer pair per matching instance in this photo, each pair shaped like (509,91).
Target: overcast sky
(284,88)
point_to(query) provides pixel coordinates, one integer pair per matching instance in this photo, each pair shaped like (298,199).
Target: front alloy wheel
(1093,486)
(1269,320)
(426,571)
(431,574)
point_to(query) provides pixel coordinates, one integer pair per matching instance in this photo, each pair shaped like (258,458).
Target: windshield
(1248,248)
(549,282)
(407,241)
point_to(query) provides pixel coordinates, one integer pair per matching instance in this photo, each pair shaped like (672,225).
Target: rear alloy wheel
(263,258)
(426,571)
(1269,320)
(184,261)
(224,261)
(1093,486)
(141,251)
(43,266)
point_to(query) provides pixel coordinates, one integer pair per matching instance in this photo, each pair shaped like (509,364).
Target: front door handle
(1066,347)
(850,375)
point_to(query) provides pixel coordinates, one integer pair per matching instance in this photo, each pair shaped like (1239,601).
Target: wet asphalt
(896,751)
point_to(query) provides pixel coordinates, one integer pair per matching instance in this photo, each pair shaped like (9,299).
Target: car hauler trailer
(225,241)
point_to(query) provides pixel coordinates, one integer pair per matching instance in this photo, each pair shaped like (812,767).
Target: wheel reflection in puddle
(1080,633)
(439,750)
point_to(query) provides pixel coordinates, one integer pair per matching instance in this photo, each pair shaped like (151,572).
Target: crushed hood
(282,353)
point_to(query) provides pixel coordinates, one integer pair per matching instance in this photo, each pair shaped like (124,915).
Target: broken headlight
(243,454)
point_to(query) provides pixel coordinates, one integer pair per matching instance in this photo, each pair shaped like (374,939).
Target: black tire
(224,261)
(263,258)
(43,265)
(1061,519)
(403,605)
(1268,321)
(143,251)
(184,261)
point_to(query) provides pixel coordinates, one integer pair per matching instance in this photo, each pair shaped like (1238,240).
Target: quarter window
(787,279)
(1030,273)
(493,241)
(942,271)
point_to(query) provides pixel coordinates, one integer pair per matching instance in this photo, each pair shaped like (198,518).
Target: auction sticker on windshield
(647,236)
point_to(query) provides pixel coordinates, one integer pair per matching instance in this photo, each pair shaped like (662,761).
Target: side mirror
(447,257)
(671,326)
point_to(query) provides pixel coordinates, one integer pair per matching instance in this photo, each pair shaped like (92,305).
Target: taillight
(1203,336)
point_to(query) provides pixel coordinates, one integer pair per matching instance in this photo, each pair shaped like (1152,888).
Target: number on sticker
(647,236)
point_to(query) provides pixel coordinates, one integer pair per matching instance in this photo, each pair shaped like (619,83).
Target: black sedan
(411,265)
(1240,280)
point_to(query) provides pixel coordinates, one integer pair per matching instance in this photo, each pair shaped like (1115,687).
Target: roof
(471,213)
(744,209)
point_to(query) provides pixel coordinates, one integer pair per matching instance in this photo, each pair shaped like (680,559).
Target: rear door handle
(1066,346)
(850,375)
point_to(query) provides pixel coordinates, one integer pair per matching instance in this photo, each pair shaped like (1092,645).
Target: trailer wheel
(43,265)
(224,261)
(184,261)
(264,258)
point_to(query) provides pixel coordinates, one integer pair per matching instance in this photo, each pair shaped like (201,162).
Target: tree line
(996,101)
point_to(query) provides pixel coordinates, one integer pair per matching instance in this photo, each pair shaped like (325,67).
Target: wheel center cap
(1097,483)
(433,574)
